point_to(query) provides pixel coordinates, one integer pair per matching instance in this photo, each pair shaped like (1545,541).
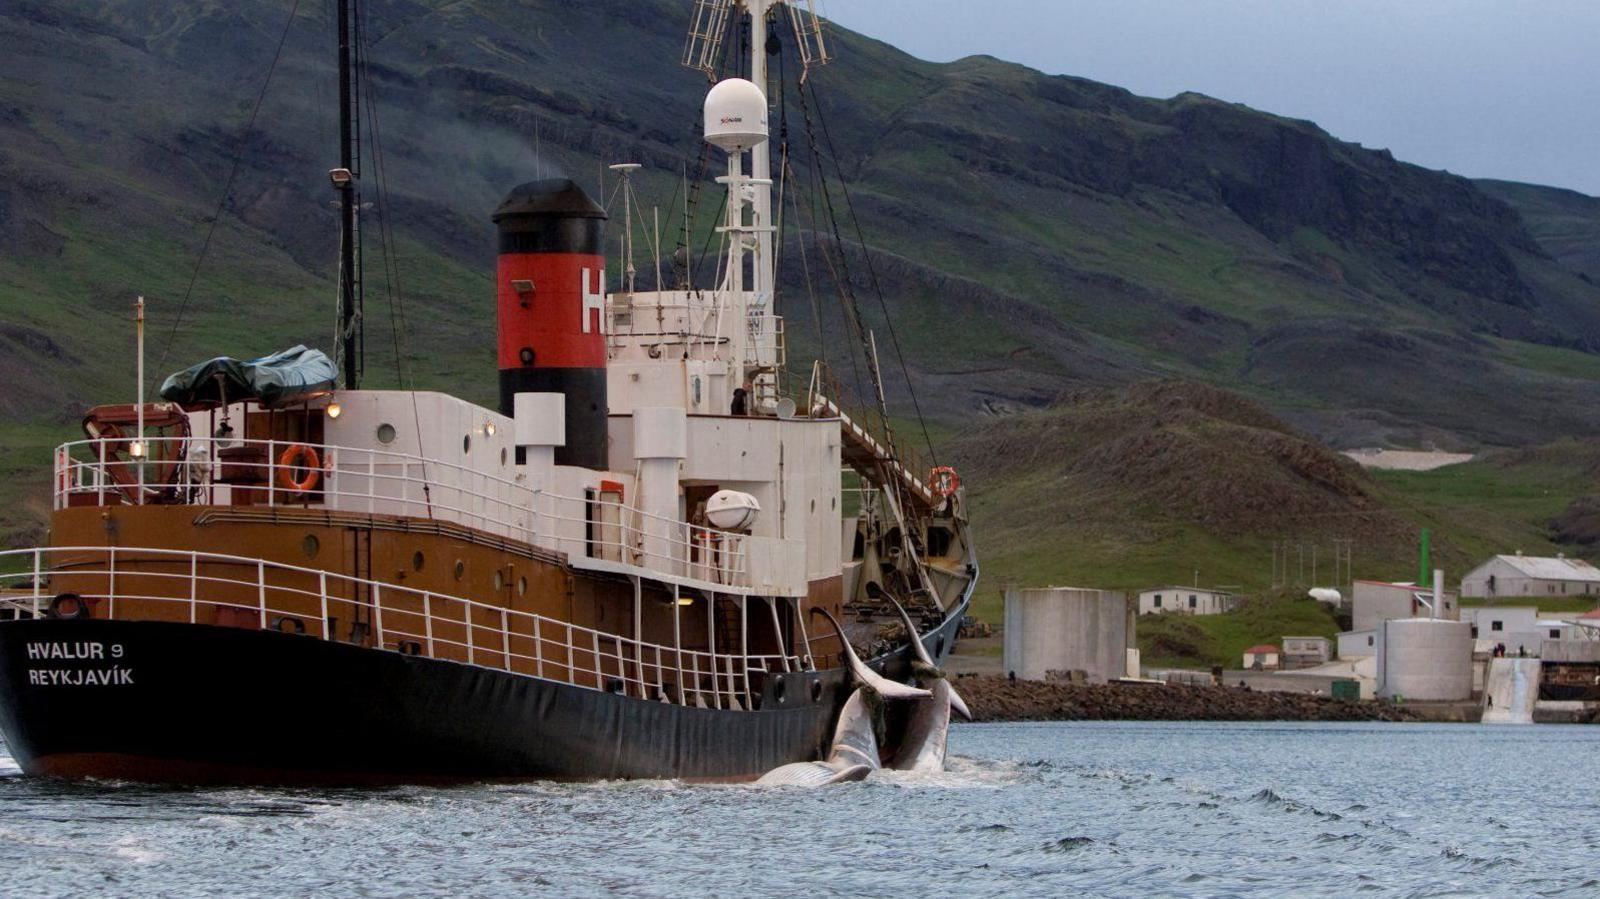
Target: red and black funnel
(551,284)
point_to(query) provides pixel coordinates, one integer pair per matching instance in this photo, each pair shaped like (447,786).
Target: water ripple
(1024,810)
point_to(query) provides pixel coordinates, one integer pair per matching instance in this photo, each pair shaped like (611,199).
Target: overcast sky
(1485,88)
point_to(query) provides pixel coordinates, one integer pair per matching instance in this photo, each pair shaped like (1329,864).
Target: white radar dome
(730,510)
(736,115)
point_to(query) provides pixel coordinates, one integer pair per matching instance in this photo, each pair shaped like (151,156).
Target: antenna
(625,170)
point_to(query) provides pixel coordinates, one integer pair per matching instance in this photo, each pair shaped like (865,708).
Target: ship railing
(182,586)
(215,472)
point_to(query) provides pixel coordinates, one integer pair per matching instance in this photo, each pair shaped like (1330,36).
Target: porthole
(522,586)
(418,560)
(499,580)
(502,457)
(311,546)
(461,569)
(813,507)
(386,433)
(816,691)
(466,444)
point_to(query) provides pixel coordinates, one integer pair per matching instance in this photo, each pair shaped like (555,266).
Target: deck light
(136,449)
(488,428)
(334,410)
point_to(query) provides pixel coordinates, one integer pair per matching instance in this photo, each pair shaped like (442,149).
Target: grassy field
(1207,640)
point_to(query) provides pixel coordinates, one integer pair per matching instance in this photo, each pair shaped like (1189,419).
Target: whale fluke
(956,702)
(879,684)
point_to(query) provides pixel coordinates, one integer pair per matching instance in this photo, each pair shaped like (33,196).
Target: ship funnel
(552,309)
(736,115)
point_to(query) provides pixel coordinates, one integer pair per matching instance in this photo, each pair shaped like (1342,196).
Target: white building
(1185,600)
(1513,627)
(1358,644)
(1520,575)
(1264,657)
(1305,652)
(1375,601)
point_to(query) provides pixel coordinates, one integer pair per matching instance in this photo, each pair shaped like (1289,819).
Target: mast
(761,159)
(346,179)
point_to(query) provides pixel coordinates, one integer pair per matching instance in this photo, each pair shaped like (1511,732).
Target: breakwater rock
(998,699)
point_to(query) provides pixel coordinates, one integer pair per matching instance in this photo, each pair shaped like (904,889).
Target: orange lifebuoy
(299,455)
(944,481)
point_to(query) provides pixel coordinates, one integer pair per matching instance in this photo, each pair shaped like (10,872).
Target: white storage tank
(1059,629)
(1427,659)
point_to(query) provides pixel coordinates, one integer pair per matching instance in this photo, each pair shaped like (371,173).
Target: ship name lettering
(62,650)
(80,677)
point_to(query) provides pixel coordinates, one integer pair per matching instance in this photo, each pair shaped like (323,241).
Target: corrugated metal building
(1520,575)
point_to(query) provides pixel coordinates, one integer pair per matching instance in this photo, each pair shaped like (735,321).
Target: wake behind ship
(635,566)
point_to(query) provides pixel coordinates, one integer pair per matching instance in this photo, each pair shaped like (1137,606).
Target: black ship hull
(196,704)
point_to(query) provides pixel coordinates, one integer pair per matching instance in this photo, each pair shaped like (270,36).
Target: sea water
(1081,809)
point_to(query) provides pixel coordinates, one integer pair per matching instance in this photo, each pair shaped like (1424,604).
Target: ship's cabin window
(939,541)
(466,444)
(418,560)
(386,433)
(311,546)
(461,569)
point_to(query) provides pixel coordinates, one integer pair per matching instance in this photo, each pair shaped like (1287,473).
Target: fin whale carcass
(853,757)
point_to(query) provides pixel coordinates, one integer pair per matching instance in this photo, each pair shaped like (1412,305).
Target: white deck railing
(211,472)
(131,583)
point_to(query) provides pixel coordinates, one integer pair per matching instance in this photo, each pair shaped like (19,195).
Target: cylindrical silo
(552,311)
(1065,628)
(1427,659)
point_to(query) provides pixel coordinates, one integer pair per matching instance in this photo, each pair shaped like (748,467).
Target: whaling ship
(276,576)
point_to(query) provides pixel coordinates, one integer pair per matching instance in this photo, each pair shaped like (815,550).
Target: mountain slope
(1033,235)
(1031,232)
(1565,222)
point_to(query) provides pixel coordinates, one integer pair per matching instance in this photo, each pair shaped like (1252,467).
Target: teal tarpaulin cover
(269,380)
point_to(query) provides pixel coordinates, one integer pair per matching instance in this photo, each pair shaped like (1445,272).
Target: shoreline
(995,699)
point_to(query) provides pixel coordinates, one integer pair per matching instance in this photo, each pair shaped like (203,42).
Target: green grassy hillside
(1201,641)
(1166,482)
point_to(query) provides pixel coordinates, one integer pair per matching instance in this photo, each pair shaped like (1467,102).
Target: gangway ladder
(706,30)
(808,38)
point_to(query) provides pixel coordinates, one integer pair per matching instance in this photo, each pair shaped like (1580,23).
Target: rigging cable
(399,329)
(872,272)
(227,187)
(850,309)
